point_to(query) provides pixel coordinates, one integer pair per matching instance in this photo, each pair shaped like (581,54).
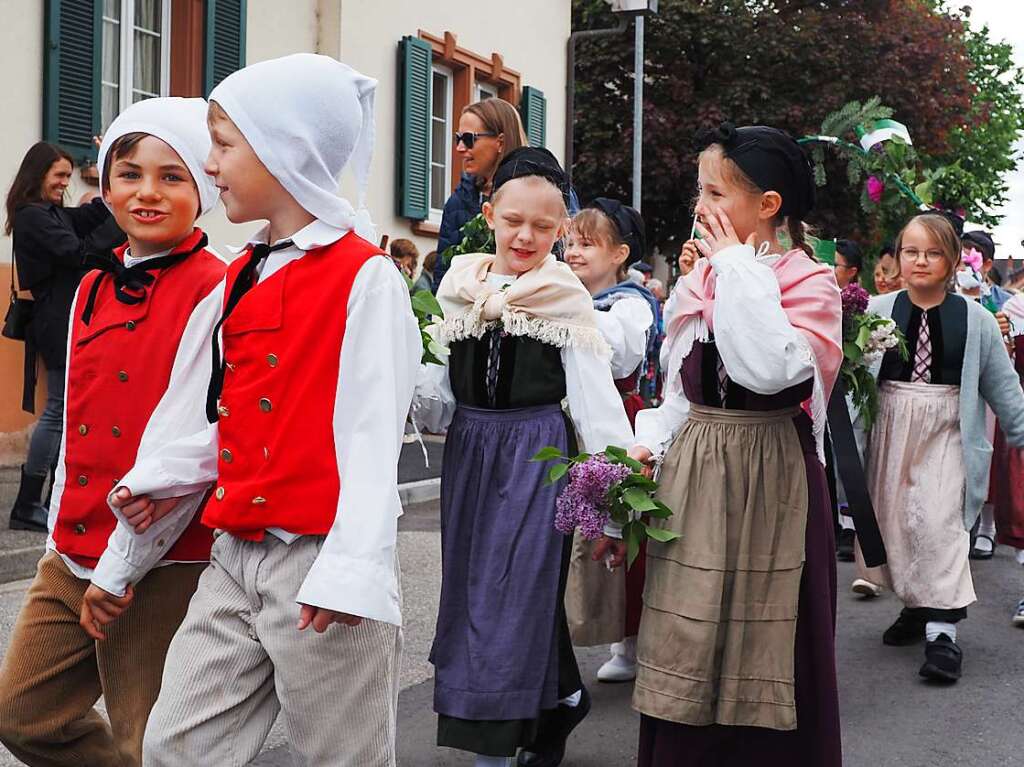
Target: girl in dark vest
(523,336)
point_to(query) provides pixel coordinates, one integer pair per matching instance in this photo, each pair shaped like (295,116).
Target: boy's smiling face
(153,196)
(247,189)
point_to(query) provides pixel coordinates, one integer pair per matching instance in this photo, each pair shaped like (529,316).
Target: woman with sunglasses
(488,130)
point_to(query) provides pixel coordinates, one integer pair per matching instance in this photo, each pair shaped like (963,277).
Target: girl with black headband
(736,655)
(605,239)
(524,336)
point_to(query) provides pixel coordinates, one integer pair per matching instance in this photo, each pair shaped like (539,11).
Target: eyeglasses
(468,138)
(912,254)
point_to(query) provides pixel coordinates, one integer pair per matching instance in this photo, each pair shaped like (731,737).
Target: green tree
(787,63)
(981,145)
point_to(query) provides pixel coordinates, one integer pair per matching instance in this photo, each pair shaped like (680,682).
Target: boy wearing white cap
(315,359)
(100,614)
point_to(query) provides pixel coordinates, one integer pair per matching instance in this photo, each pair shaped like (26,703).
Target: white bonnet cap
(178,122)
(307,116)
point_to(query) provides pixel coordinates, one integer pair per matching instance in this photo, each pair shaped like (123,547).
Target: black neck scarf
(245,282)
(129,278)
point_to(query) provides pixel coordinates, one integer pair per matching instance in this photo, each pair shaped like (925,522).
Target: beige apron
(718,631)
(916,479)
(595,598)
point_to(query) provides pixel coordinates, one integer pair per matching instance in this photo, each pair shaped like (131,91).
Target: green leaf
(638,499)
(660,534)
(633,464)
(633,534)
(615,452)
(548,454)
(556,472)
(662,512)
(424,302)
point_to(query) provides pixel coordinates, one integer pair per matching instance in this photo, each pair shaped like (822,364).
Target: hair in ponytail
(798,235)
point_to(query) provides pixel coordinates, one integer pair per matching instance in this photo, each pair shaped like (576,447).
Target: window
(441,129)
(486,91)
(136,54)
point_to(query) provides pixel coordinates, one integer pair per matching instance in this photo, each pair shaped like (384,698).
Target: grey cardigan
(987,376)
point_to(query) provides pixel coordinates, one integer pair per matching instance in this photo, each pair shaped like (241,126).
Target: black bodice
(503,372)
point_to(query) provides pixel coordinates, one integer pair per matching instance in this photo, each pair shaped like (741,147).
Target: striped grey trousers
(238,660)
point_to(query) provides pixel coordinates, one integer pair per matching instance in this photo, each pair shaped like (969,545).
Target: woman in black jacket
(50,245)
(488,130)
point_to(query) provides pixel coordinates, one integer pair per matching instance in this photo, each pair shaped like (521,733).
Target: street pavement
(891,718)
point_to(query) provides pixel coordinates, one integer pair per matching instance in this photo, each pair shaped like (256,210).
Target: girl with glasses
(928,459)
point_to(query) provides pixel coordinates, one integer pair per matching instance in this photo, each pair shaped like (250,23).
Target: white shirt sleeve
(657,427)
(761,351)
(175,457)
(625,327)
(355,571)
(433,404)
(595,405)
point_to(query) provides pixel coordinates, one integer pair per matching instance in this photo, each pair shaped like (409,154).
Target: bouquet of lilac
(609,486)
(866,339)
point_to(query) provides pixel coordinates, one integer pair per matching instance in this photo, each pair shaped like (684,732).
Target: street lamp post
(639,9)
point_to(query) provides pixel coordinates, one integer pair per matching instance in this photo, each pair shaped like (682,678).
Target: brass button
(79,529)
(259,500)
(226,456)
(122,376)
(160,543)
(83,480)
(266,454)
(272,360)
(265,405)
(83,429)
(229,365)
(129,325)
(116,431)
(222,411)
(219,494)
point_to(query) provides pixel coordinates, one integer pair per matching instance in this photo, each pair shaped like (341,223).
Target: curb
(420,491)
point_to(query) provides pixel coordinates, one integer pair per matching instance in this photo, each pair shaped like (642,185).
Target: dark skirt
(501,652)
(816,742)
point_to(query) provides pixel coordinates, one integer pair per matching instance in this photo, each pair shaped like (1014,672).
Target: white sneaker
(621,667)
(1018,618)
(866,589)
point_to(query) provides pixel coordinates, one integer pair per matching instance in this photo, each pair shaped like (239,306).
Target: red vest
(118,369)
(277,465)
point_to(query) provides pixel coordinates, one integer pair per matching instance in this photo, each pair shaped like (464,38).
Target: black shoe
(548,749)
(28,513)
(943,660)
(844,551)
(981,554)
(906,630)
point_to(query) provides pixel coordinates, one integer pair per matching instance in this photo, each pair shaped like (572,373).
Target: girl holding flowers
(605,239)
(523,335)
(929,457)
(736,659)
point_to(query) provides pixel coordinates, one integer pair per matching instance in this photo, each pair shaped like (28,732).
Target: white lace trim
(471,324)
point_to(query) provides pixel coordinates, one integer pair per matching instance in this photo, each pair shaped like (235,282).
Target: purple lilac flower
(583,503)
(855,299)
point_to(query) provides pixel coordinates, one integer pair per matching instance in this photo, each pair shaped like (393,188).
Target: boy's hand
(613,548)
(320,618)
(141,511)
(100,607)
(1004,323)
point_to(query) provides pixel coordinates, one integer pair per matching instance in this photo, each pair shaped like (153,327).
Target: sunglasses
(468,138)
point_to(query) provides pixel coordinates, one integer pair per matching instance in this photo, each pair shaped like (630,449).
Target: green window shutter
(71,75)
(415,79)
(225,41)
(534,109)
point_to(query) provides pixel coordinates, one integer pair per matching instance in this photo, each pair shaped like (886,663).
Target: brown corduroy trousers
(53,672)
